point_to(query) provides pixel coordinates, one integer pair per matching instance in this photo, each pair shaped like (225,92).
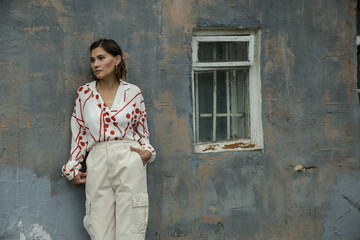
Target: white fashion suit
(116,190)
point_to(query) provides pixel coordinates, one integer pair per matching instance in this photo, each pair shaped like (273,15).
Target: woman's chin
(99,76)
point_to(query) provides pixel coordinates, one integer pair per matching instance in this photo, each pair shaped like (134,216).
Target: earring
(116,68)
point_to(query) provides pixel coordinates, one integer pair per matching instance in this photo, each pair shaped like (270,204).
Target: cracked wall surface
(304,183)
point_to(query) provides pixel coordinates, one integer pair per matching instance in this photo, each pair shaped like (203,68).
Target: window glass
(205,129)
(221,128)
(221,91)
(231,104)
(205,90)
(238,129)
(239,104)
(223,51)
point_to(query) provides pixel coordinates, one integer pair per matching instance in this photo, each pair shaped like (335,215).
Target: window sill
(238,145)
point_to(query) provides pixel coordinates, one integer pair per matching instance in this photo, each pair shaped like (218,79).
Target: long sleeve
(142,130)
(79,140)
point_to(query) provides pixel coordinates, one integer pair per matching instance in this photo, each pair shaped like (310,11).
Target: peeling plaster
(32,31)
(302,168)
(35,232)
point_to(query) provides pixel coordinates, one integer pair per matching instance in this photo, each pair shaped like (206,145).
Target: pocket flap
(140,200)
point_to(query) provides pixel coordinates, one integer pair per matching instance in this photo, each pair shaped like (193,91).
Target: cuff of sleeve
(71,169)
(151,150)
(152,158)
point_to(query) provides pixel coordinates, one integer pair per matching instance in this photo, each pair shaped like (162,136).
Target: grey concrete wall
(310,116)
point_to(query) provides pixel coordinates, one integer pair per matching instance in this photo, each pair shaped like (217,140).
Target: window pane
(223,51)
(221,91)
(237,128)
(239,90)
(205,51)
(239,103)
(205,129)
(221,128)
(205,91)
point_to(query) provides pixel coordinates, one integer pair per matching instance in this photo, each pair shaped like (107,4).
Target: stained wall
(310,116)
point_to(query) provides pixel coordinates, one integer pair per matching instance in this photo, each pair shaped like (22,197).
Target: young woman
(109,122)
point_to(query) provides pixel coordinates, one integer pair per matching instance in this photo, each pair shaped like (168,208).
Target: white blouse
(92,121)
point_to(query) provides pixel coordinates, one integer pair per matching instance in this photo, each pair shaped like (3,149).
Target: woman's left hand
(144,154)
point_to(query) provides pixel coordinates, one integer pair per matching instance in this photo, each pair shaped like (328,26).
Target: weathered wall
(310,117)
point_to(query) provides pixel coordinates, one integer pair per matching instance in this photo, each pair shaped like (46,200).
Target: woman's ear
(118,60)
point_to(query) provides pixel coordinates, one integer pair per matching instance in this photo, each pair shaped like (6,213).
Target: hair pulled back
(114,49)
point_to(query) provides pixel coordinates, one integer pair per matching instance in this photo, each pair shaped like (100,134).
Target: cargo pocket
(140,209)
(87,220)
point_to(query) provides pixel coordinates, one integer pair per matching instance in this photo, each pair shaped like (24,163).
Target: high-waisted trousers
(116,192)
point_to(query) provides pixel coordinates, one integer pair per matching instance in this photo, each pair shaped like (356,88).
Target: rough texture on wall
(304,184)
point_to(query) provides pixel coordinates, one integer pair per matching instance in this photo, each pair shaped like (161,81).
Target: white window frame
(256,130)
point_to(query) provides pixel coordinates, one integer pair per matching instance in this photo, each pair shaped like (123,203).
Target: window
(226,90)
(358,48)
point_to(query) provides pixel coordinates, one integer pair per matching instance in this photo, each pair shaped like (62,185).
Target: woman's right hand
(80,178)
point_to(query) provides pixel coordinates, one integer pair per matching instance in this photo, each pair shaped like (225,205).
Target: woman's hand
(79,178)
(144,154)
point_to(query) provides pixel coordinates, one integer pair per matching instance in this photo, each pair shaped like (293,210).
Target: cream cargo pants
(116,192)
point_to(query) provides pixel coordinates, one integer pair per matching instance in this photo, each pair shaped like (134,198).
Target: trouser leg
(132,203)
(100,204)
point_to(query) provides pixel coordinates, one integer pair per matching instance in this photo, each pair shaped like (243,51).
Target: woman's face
(103,63)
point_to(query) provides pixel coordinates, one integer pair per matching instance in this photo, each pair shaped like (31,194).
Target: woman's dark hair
(114,49)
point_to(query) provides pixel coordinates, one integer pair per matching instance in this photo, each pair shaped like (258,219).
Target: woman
(109,122)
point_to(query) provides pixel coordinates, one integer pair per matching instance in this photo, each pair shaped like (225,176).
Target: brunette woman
(109,122)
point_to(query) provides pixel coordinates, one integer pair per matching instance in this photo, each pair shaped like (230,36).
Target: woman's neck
(109,83)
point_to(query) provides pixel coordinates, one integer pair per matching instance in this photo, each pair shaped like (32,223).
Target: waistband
(118,143)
